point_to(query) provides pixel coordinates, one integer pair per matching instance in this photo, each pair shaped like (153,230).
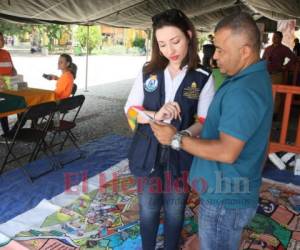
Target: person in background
(6,69)
(64,83)
(296,48)
(230,152)
(208,52)
(173,88)
(276,54)
(217,75)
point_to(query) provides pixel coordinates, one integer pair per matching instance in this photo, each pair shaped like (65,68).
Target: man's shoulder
(4,52)
(269,47)
(284,46)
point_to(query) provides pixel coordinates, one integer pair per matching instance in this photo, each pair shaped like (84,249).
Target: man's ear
(190,34)
(246,51)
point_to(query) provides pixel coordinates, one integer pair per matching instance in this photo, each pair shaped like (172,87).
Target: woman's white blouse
(136,95)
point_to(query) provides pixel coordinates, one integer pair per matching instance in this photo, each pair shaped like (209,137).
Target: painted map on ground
(103,218)
(102,214)
(276,224)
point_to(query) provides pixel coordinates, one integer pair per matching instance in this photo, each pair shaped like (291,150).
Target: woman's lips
(174,58)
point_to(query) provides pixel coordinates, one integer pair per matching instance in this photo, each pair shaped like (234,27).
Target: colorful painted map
(102,214)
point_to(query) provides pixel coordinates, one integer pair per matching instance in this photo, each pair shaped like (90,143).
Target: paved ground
(102,69)
(102,113)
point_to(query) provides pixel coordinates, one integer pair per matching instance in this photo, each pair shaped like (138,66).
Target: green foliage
(8,28)
(95,37)
(54,32)
(117,50)
(139,42)
(15,29)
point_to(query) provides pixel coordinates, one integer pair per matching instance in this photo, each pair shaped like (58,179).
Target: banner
(287,27)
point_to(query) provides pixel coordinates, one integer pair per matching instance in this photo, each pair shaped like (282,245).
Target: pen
(179,117)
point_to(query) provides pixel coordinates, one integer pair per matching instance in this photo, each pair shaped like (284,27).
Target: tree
(95,37)
(139,42)
(54,32)
(12,28)
(15,29)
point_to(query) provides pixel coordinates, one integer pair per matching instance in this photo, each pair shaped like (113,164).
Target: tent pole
(87,58)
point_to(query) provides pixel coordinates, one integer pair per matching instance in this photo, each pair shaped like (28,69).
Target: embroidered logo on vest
(151,84)
(192,92)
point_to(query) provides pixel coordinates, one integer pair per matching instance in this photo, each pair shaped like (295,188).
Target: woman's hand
(169,111)
(54,77)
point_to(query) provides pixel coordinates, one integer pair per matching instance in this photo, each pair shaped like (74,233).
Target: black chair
(69,109)
(42,114)
(74,89)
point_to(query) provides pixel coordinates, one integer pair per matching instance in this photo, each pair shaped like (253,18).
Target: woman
(171,88)
(64,84)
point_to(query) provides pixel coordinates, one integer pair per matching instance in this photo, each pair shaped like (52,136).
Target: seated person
(276,53)
(64,84)
(6,69)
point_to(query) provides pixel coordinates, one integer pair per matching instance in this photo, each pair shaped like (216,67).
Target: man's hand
(163,132)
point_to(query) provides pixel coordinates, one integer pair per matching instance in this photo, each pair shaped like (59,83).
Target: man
(276,53)
(6,69)
(296,48)
(208,51)
(231,149)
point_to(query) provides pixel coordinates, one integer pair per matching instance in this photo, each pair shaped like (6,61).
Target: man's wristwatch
(176,140)
(185,132)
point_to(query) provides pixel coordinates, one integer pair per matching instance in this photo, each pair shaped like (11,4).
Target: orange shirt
(64,85)
(6,65)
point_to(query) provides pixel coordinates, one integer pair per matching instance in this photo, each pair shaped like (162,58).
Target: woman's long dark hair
(176,18)
(72,66)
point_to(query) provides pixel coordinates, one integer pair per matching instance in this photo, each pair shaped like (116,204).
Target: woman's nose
(170,50)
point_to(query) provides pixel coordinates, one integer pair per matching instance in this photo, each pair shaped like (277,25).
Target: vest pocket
(138,151)
(142,152)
